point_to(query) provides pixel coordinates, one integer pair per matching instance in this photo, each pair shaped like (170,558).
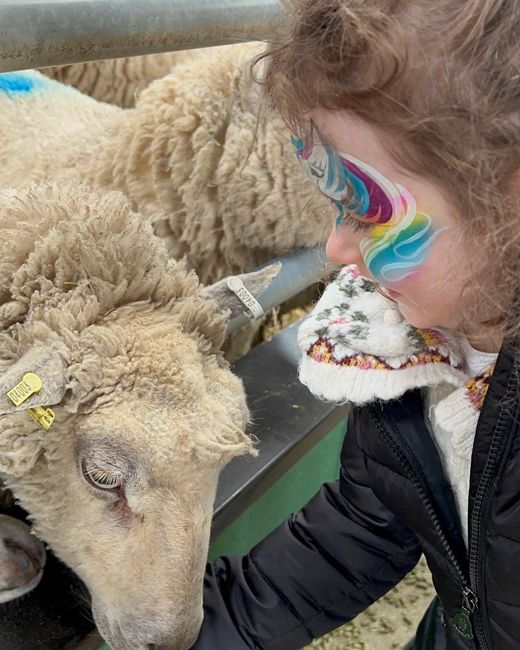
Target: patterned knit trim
(323,352)
(476,388)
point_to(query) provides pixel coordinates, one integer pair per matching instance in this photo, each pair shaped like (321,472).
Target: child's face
(399,229)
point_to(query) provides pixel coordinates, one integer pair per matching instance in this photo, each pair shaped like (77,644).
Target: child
(405,113)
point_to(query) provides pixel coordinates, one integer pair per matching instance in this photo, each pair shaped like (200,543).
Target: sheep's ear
(238,293)
(36,379)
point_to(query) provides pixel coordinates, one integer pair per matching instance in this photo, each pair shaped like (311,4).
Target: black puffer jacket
(358,537)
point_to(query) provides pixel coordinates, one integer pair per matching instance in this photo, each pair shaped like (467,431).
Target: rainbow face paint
(400,236)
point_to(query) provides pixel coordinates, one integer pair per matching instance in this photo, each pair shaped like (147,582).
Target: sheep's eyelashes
(102,479)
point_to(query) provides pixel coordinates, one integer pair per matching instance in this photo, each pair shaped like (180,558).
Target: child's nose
(343,246)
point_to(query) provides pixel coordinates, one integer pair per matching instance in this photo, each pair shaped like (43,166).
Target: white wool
(219,186)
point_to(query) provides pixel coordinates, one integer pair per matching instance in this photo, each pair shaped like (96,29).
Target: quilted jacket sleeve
(318,570)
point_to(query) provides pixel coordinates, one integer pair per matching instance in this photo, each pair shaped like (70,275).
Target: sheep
(118,81)
(186,156)
(136,411)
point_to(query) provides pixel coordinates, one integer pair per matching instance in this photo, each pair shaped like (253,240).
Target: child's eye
(346,219)
(355,225)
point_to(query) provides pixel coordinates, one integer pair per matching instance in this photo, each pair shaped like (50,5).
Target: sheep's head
(121,485)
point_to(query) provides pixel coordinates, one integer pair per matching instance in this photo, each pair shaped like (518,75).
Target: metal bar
(41,33)
(300,269)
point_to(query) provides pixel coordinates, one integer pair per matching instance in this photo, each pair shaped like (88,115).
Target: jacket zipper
(474,555)
(462,621)
(480,505)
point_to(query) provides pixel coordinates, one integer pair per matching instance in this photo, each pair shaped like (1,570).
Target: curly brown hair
(443,77)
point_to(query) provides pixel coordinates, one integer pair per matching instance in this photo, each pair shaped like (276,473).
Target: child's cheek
(393,253)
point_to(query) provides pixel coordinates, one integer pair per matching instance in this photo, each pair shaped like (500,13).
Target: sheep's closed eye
(102,479)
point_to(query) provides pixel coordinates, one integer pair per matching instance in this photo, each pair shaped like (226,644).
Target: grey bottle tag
(236,285)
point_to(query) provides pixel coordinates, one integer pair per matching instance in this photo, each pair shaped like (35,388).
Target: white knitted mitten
(358,348)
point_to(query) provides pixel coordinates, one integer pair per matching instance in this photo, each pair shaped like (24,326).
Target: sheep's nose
(22,558)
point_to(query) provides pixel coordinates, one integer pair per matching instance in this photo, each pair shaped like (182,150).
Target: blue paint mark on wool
(19,83)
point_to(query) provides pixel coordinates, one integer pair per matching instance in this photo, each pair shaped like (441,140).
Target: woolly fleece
(117,81)
(186,156)
(83,278)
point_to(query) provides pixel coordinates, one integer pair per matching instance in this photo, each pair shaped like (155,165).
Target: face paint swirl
(400,237)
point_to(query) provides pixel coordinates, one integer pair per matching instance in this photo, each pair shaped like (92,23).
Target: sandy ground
(388,624)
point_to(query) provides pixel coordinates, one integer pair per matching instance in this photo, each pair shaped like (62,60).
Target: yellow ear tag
(29,385)
(44,417)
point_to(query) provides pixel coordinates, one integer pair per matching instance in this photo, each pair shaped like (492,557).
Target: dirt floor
(388,624)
